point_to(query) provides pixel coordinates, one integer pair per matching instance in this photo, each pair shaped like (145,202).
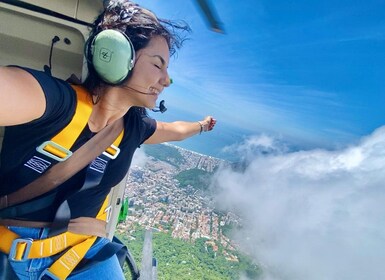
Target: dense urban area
(170,196)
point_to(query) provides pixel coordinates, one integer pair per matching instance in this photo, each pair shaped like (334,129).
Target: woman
(128,56)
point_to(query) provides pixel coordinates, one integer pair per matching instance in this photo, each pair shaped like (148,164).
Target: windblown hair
(140,25)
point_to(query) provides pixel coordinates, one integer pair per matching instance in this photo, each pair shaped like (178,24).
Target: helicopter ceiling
(205,6)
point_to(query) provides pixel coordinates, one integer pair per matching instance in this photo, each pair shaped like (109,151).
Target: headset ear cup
(112,55)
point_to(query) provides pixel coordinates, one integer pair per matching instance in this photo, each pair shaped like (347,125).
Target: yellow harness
(59,148)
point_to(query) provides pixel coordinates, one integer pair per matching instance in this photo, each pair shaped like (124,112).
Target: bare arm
(179,130)
(21,97)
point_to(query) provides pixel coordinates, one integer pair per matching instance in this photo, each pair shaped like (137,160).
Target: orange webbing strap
(51,246)
(20,249)
(67,137)
(33,249)
(63,267)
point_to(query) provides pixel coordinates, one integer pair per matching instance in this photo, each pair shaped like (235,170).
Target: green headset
(112,55)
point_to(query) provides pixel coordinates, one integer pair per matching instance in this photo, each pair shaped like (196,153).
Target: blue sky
(310,73)
(304,80)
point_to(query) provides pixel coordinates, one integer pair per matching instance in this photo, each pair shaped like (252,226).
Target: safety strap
(63,267)
(63,170)
(94,175)
(61,143)
(22,249)
(68,165)
(99,164)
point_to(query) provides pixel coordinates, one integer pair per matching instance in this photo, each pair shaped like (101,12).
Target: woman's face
(150,76)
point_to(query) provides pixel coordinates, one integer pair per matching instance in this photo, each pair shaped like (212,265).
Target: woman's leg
(107,270)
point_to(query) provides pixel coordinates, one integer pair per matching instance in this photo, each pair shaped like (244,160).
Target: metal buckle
(41,149)
(46,273)
(12,253)
(112,155)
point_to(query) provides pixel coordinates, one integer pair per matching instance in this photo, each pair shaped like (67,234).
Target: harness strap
(81,225)
(63,267)
(89,226)
(59,146)
(43,202)
(71,132)
(60,172)
(20,249)
(94,175)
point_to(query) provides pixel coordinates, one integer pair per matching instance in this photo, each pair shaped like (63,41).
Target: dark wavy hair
(140,25)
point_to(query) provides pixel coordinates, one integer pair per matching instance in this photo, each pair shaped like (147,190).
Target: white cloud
(312,215)
(139,159)
(255,145)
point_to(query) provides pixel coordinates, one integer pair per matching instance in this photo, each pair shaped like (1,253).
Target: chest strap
(20,249)
(57,147)
(60,172)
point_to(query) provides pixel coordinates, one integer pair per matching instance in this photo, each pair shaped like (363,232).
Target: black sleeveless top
(20,142)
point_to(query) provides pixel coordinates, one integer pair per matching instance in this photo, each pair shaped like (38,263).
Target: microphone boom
(162,108)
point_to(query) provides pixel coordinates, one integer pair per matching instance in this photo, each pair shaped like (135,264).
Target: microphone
(162,108)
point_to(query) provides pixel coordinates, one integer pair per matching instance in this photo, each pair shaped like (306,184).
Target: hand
(208,123)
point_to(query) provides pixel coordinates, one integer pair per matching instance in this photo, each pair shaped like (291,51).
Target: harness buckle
(14,248)
(112,152)
(53,150)
(48,275)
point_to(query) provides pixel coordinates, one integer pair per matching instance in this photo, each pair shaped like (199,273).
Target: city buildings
(158,202)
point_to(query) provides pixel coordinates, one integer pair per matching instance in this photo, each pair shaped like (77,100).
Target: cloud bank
(311,215)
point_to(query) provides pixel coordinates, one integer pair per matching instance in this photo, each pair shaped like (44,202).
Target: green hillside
(197,178)
(178,259)
(165,153)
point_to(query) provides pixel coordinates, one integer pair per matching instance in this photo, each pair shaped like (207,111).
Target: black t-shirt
(20,143)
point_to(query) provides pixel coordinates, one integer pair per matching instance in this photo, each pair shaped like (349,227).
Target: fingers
(212,124)
(209,123)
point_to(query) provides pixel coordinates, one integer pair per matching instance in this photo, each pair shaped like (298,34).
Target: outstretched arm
(21,97)
(179,130)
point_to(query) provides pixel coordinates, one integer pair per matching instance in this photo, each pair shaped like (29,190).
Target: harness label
(98,165)
(37,164)
(70,259)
